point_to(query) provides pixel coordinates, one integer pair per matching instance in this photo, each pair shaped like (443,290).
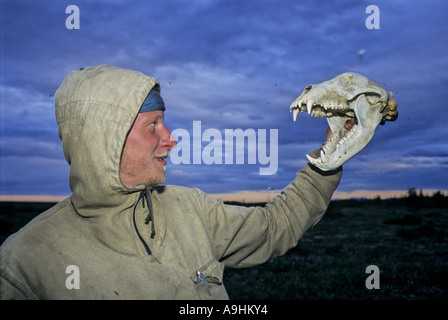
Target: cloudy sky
(227,65)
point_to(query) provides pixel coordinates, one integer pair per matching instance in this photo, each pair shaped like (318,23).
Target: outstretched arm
(244,237)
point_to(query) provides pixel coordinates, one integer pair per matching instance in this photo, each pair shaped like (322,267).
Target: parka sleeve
(11,290)
(248,236)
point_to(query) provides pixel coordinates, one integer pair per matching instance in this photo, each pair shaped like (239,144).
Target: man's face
(146,147)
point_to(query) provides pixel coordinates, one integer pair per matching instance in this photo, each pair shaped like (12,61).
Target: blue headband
(153,102)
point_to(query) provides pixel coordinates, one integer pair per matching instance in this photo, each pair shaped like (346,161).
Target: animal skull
(354,107)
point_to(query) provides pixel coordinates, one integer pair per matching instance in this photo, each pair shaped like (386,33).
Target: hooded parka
(103,243)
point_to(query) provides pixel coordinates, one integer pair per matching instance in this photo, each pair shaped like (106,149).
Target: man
(120,235)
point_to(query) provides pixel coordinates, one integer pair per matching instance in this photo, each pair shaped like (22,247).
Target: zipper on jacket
(201,278)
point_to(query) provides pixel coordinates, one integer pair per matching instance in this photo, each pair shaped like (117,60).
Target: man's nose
(168,141)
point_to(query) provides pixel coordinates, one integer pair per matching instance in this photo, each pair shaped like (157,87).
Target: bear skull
(354,107)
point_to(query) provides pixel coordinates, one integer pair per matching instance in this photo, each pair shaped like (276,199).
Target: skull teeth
(309,106)
(324,158)
(296,112)
(312,160)
(318,109)
(347,136)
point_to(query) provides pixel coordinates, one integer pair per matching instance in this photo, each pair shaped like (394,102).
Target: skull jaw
(341,148)
(344,152)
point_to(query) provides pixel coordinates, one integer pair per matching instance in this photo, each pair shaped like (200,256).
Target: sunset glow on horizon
(248,196)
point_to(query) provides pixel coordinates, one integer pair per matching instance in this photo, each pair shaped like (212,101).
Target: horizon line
(250,196)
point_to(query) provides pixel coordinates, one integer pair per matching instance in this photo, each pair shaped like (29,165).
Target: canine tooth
(323,156)
(296,113)
(312,160)
(309,106)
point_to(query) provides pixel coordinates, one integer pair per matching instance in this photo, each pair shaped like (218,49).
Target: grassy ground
(14,215)
(406,238)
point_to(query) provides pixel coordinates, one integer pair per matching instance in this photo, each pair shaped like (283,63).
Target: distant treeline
(414,198)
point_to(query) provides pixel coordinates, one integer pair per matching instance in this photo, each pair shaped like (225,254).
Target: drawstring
(150,217)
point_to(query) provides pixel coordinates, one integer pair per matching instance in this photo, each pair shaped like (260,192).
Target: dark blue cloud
(231,64)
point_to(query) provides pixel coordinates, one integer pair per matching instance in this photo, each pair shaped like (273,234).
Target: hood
(95,109)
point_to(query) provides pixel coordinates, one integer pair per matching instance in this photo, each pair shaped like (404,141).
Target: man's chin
(156,181)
